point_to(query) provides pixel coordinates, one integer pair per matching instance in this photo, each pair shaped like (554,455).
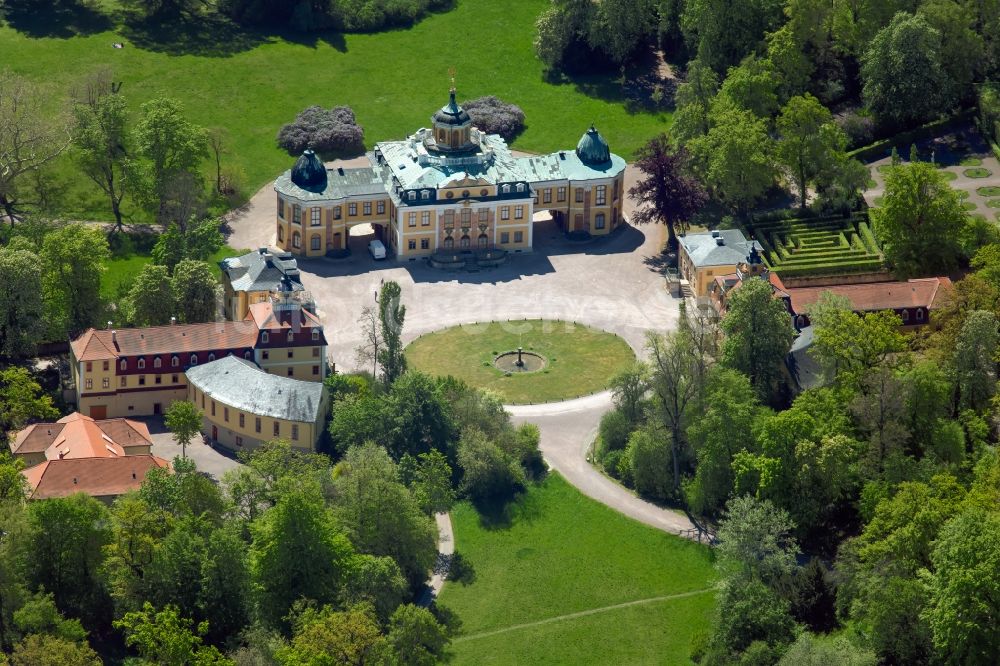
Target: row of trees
(888,471)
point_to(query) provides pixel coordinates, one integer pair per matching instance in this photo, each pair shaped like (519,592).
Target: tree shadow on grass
(642,88)
(501,513)
(211,34)
(62,19)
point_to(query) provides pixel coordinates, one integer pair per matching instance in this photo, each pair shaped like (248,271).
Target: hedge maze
(818,246)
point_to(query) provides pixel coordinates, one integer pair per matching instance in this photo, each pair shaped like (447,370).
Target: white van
(376,249)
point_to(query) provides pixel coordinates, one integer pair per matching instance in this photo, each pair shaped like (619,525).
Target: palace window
(336,212)
(315,370)
(289,371)
(296,214)
(920,314)
(213,408)
(518,212)
(315,242)
(142,364)
(601,197)
(211,357)
(484,215)
(157,379)
(412,196)
(246,355)
(123,382)
(281,208)
(239,440)
(156,362)
(425,244)
(380,207)
(504,212)
(449,218)
(560,194)
(296,239)
(504,237)
(425,218)
(466,216)
(599,221)
(295,432)
(412,244)
(225,414)
(174,362)
(265,354)
(411,219)
(107,366)
(315,334)
(547,195)
(314,217)
(367,207)
(425,195)
(518,236)
(520,187)
(449,243)
(173,379)
(281,234)
(291,353)
(315,352)
(265,337)
(194,359)
(905,316)
(256,424)
(90,366)
(106,383)
(465,242)
(277,429)
(352,210)
(579,195)
(505,189)
(142,380)
(88,383)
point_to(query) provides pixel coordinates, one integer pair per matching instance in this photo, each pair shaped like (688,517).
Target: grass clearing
(580,359)
(252,83)
(122,270)
(969,205)
(563,553)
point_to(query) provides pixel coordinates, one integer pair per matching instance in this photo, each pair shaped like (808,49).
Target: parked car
(376,249)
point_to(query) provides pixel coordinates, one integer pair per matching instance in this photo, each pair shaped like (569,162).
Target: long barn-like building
(448,188)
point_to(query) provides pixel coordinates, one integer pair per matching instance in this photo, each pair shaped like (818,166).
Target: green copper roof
(451,113)
(309,172)
(592,148)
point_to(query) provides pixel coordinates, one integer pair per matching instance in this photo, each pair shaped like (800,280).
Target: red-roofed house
(102,478)
(79,436)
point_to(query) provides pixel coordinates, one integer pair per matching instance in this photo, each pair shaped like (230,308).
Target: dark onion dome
(309,172)
(593,149)
(451,113)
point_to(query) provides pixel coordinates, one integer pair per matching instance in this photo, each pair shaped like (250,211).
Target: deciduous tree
(975,359)
(184,420)
(150,300)
(102,141)
(668,193)
(172,144)
(22,312)
(758,334)
(196,291)
(391,313)
(72,259)
(810,143)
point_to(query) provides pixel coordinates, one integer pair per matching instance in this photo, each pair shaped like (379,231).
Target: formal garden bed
(554,553)
(819,246)
(575,359)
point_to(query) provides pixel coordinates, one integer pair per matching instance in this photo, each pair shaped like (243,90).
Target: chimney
(114,337)
(133,475)
(74,480)
(173,321)
(109,324)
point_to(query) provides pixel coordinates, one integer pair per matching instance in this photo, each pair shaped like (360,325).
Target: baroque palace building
(449,188)
(140,371)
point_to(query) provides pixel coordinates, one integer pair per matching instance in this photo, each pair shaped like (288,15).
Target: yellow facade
(240,430)
(324,227)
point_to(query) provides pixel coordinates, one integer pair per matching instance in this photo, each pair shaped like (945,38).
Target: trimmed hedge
(883,147)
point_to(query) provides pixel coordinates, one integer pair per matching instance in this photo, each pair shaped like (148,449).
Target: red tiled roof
(874,296)
(152,340)
(97,477)
(79,436)
(262,314)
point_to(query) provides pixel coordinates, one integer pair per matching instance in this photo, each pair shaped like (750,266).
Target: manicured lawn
(252,83)
(988,191)
(580,360)
(564,553)
(977,172)
(121,270)
(971,162)
(949,175)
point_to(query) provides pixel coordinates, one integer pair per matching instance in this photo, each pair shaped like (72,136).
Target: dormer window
(194,359)
(920,314)
(174,362)
(315,334)
(211,357)
(425,195)
(264,337)
(412,196)
(246,355)
(142,363)
(505,189)
(291,336)
(520,187)
(124,364)
(156,362)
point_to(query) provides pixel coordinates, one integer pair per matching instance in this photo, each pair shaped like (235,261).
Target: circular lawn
(579,360)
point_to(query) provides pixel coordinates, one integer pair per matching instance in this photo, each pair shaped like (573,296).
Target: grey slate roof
(805,370)
(566,164)
(340,184)
(242,385)
(704,250)
(262,270)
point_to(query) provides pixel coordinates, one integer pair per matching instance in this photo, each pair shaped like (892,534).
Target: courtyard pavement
(614,284)
(208,460)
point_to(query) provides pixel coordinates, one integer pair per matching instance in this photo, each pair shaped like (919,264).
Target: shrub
(489,472)
(649,455)
(494,116)
(614,430)
(860,130)
(323,130)
(611,461)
